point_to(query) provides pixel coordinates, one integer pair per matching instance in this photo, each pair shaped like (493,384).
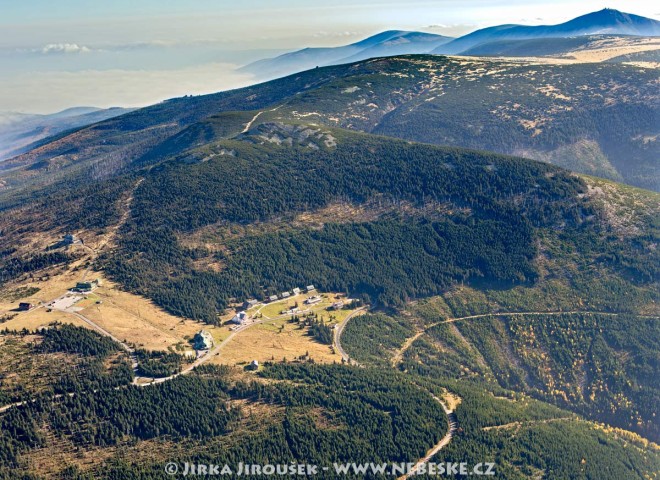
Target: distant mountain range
(395,42)
(20,132)
(385,44)
(607,21)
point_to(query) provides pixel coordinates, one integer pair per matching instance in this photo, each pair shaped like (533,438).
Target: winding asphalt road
(398,356)
(339,329)
(451,416)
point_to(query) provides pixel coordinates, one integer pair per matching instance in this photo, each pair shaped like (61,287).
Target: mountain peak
(388,36)
(614,21)
(606,21)
(606,14)
(384,44)
(607,11)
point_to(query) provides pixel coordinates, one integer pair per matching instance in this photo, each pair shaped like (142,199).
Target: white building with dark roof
(240,318)
(313,300)
(203,340)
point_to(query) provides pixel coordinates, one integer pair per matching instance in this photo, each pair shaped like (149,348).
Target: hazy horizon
(57,56)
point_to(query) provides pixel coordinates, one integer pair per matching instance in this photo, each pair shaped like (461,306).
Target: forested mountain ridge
(597,119)
(576,116)
(438,215)
(278,170)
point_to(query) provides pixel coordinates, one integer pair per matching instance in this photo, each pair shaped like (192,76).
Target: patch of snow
(350,89)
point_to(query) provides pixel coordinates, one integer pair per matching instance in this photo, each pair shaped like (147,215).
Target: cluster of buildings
(242,317)
(295,291)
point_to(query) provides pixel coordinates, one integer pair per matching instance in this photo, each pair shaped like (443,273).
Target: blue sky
(56,54)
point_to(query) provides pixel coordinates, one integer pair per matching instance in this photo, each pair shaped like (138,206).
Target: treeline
(13,267)
(68,338)
(158,364)
(101,362)
(298,179)
(492,112)
(322,332)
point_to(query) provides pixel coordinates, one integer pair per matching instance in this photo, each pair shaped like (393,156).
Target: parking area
(65,302)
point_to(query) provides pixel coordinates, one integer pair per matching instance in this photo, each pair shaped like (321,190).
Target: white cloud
(44,92)
(65,48)
(453,30)
(340,34)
